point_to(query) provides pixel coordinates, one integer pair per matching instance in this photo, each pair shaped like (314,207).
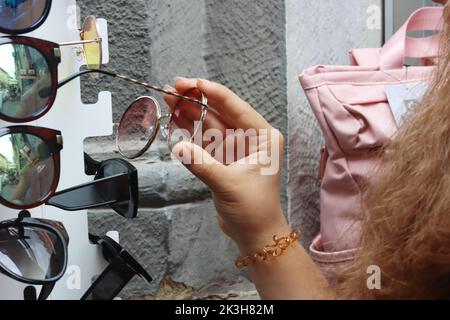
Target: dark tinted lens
(25,81)
(137,127)
(185,121)
(110,282)
(122,269)
(32,253)
(16,15)
(111,169)
(27,169)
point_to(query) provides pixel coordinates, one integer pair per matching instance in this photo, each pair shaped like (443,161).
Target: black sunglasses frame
(121,262)
(34,26)
(93,167)
(47,225)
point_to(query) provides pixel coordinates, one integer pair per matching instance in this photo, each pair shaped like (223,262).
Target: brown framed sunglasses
(29,166)
(29,65)
(29,83)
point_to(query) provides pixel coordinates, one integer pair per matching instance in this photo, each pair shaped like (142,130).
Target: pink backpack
(356,118)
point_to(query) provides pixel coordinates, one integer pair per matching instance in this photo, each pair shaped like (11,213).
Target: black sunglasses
(34,251)
(23,16)
(115,184)
(121,269)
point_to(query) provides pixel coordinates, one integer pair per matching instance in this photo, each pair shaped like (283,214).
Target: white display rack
(77,122)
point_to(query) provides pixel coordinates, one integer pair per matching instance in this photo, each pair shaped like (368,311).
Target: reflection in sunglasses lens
(138,127)
(27,169)
(16,15)
(32,253)
(25,81)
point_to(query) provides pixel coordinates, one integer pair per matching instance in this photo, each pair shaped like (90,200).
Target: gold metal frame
(203,104)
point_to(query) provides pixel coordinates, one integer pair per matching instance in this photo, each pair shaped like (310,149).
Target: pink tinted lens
(186,118)
(138,127)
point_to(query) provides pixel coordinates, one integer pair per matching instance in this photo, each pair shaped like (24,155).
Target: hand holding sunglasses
(143,120)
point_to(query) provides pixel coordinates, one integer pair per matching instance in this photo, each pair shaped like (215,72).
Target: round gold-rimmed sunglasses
(143,121)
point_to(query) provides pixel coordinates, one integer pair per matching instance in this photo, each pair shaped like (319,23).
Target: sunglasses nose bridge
(167,117)
(164,120)
(164,125)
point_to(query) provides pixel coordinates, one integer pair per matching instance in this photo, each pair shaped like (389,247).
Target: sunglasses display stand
(77,122)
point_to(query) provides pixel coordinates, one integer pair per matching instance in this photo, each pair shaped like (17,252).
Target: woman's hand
(246,188)
(246,191)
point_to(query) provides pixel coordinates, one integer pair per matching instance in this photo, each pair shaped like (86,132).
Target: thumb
(202,164)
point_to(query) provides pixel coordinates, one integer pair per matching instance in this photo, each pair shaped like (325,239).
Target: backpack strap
(401,46)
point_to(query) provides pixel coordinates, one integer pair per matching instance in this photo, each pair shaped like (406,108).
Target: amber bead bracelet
(270,252)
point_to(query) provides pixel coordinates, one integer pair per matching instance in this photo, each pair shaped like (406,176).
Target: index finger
(231,107)
(181,86)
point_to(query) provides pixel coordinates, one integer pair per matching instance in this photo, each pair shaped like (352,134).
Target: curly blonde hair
(407,213)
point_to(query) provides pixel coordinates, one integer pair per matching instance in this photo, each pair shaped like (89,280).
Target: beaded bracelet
(271,252)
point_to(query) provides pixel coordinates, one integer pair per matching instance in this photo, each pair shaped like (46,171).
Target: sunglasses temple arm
(74,43)
(161,90)
(94,239)
(81,73)
(144,84)
(142,272)
(46,291)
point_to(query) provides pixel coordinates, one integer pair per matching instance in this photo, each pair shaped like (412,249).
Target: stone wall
(248,46)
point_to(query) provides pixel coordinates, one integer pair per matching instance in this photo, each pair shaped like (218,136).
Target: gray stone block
(161,183)
(238,43)
(182,242)
(129,48)
(145,238)
(246,51)
(167,183)
(200,254)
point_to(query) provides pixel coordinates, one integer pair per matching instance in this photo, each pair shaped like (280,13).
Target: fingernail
(180,79)
(205,81)
(178,154)
(178,151)
(182,152)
